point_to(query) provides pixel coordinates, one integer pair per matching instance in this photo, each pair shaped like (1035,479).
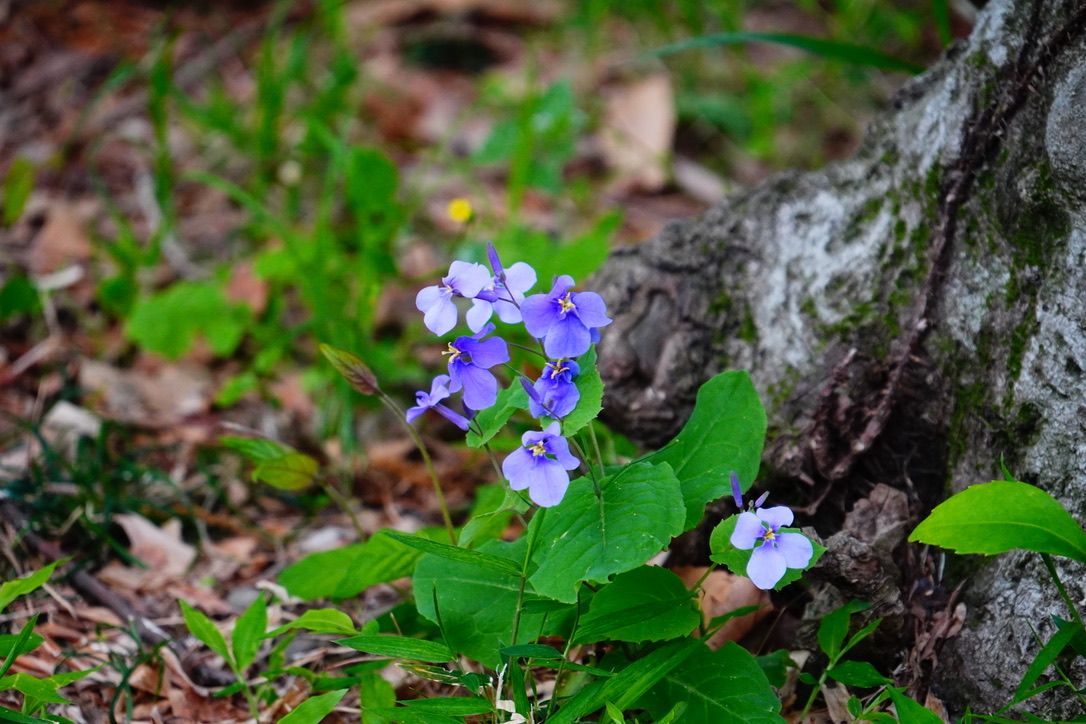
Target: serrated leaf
(399,647)
(723,552)
(318,620)
(314,709)
(10,590)
(725,433)
(491,420)
(640,511)
(455,553)
(204,629)
(293,471)
(646,604)
(347,571)
(249,632)
(590,385)
(1000,516)
(717,686)
(857,673)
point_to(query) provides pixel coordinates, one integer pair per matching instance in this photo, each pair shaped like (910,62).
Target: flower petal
(479,314)
(427,297)
(559,446)
(766,567)
(453,416)
(519,278)
(480,387)
(518,467)
(549,484)
(796,549)
(441,316)
(561,286)
(748,530)
(778,516)
(567,338)
(413,413)
(467,278)
(439,390)
(488,352)
(540,312)
(591,309)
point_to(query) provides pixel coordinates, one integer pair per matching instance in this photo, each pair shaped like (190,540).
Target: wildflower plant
(577,573)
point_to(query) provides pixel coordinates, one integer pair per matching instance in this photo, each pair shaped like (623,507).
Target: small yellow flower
(459,210)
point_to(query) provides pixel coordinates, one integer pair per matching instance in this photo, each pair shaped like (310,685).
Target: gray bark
(909,316)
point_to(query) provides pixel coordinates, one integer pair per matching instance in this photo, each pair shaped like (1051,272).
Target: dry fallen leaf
(160,548)
(63,238)
(638,128)
(722,592)
(161,398)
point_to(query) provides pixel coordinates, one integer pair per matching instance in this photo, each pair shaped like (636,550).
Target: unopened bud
(353,369)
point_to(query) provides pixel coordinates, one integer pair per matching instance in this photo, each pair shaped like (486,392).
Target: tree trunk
(911,316)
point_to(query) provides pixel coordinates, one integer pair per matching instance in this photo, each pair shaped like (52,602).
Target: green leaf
(475,605)
(41,690)
(717,686)
(168,322)
(494,507)
(13,642)
(1000,516)
(775,666)
(640,511)
(725,433)
(909,710)
(293,471)
(493,419)
(723,552)
(375,693)
(26,633)
(204,629)
(1045,657)
(631,683)
(857,673)
(833,628)
(399,647)
(249,632)
(314,709)
(646,604)
(451,705)
(614,713)
(530,651)
(404,715)
(579,257)
(347,571)
(590,403)
(18,296)
(829,49)
(256,449)
(460,555)
(10,590)
(318,620)
(17,187)
(20,718)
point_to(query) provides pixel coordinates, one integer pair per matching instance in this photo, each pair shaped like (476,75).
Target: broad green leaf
(318,620)
(26,633)
(829,49)
(10,590)
(716,686)
(249,632)
(725,433)
(455,553)
(451,705)
(833,628)
(347,571)
(168,322)
(375,693)
(531,651)
(475,604)
(494,507)
(12,642)
(17,187)
(1045,657)
(20,718)
(640,511)
(204,629)
(723,552)
(314,709)
(911,711)
(41,690)
(293,471)
(775,666)
(399,647)
(493,419)
(1000,516)
(590,403)
(18,295)
(631,683)
(255,449)
(646,604)
(857,673)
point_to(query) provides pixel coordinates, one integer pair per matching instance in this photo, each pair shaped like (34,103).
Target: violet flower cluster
(772,552)
(565,323)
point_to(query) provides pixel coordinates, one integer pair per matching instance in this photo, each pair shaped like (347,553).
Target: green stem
(426,460)
(595,445)
(345,505)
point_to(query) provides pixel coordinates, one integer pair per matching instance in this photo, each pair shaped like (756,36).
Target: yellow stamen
(769,535)
(566,304)
(557,368)
(538,450)
(453,352)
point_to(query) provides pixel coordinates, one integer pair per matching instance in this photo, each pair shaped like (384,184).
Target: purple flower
(470,358)
(774,552)
(564,320)
(463,280)
(504,294)
(541,465)
(439,390)
(555,394)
